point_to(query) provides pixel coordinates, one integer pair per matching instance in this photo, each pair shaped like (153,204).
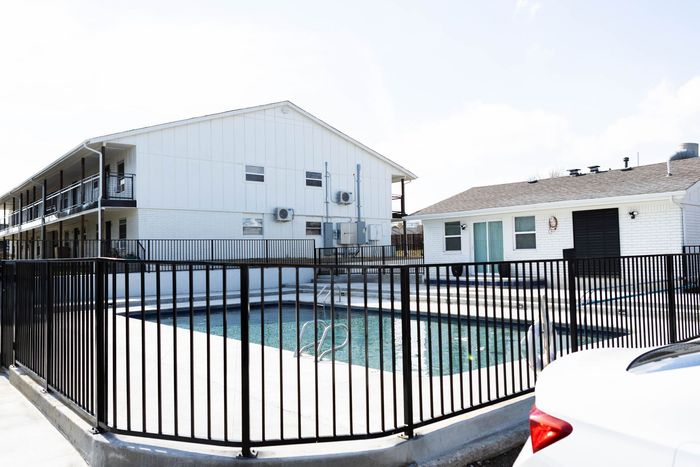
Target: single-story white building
(631,211)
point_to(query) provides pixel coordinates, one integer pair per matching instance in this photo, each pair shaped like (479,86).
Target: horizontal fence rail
(368,255)
(239,250)
(276,251)
(259,354)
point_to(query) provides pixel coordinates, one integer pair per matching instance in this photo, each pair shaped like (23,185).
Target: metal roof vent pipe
(685,151)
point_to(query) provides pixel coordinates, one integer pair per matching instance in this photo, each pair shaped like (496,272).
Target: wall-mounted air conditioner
(284,214)
(344,197)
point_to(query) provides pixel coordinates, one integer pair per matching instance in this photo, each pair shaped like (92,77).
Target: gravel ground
(504,460)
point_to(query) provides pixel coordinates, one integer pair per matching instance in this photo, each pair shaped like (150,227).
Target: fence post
(571,289)
(100,350)
(406,352)
(246,451)
(48,330)
(671,291)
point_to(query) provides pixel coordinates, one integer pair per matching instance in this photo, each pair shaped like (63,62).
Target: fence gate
(7,321)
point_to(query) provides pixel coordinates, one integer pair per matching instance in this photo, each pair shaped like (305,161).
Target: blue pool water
(375,337)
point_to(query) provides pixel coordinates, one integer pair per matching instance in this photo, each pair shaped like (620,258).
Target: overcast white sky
(462,93)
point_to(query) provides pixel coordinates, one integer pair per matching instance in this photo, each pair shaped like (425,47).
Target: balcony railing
(79,196)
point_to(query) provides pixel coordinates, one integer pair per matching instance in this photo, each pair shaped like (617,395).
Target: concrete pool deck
(27,438)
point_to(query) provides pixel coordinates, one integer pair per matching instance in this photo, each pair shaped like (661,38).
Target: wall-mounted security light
(633,214)
(463,226)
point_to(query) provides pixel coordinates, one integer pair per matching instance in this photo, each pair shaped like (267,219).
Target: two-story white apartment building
(267,172)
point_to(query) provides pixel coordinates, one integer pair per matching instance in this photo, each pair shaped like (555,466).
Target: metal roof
(641,180)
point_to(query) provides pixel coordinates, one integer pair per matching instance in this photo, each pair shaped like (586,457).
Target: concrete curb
(467,438)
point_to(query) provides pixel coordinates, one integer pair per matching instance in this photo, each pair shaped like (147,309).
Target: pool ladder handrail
(318,345)
(324,295)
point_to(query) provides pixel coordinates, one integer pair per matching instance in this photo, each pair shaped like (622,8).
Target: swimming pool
(374,336)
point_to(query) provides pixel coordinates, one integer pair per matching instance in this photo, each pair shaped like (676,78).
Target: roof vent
(594,169)
(532,180)
(685,151)
(626,160)
(574,172)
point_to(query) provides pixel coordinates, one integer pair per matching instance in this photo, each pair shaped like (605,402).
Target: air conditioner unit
(284,214)
(345,197)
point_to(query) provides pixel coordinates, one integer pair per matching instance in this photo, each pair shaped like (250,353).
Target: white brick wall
(691,215)
(656,229)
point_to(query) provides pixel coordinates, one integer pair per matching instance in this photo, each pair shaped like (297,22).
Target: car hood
(594,387)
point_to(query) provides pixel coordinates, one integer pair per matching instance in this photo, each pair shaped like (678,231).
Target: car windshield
(670,357)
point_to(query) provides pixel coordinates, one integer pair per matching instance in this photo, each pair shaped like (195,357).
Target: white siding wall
(656,229)
(191,178)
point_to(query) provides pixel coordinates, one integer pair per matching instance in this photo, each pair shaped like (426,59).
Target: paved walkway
(26,437)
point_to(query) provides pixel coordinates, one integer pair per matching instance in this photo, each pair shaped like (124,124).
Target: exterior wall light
(463,226)
(633,214)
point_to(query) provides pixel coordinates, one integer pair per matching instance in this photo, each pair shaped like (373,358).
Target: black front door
(597,235)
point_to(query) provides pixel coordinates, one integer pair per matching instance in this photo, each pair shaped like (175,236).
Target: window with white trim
(254,173)
(525,236)
(314,179)
(252,226)
(453,236)
(313,228)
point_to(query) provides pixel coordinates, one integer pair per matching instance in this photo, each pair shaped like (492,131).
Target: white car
(618,407)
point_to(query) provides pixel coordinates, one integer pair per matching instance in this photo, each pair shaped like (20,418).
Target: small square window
(453,236)
(525,236)
(314,179)
(252,226)
(254,173)
(313,228)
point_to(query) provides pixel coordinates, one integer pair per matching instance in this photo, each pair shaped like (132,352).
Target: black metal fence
(367,255)
(412,242)
(239,250)
(259,354)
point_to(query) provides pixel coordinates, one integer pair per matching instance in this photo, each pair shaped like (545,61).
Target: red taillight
(545,429)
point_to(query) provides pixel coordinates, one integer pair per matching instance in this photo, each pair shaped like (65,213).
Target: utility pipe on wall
(328,187)
(359,198)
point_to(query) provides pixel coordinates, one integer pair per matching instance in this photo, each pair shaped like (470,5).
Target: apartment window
(453,236)
(314,179)
(525,237)
(254,173)
(252,226)
(313,228)
(122,229)
(121,180)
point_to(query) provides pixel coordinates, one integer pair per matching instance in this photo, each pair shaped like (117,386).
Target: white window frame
(253,172)
(252,220)
(313,179)
(445,236)
(528,232)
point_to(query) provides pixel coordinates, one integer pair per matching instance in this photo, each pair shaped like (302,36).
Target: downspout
(680,206)
(328,187)
(359,198)
(99,197)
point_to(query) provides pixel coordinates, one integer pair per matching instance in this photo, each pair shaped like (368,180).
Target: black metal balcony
(80,196)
